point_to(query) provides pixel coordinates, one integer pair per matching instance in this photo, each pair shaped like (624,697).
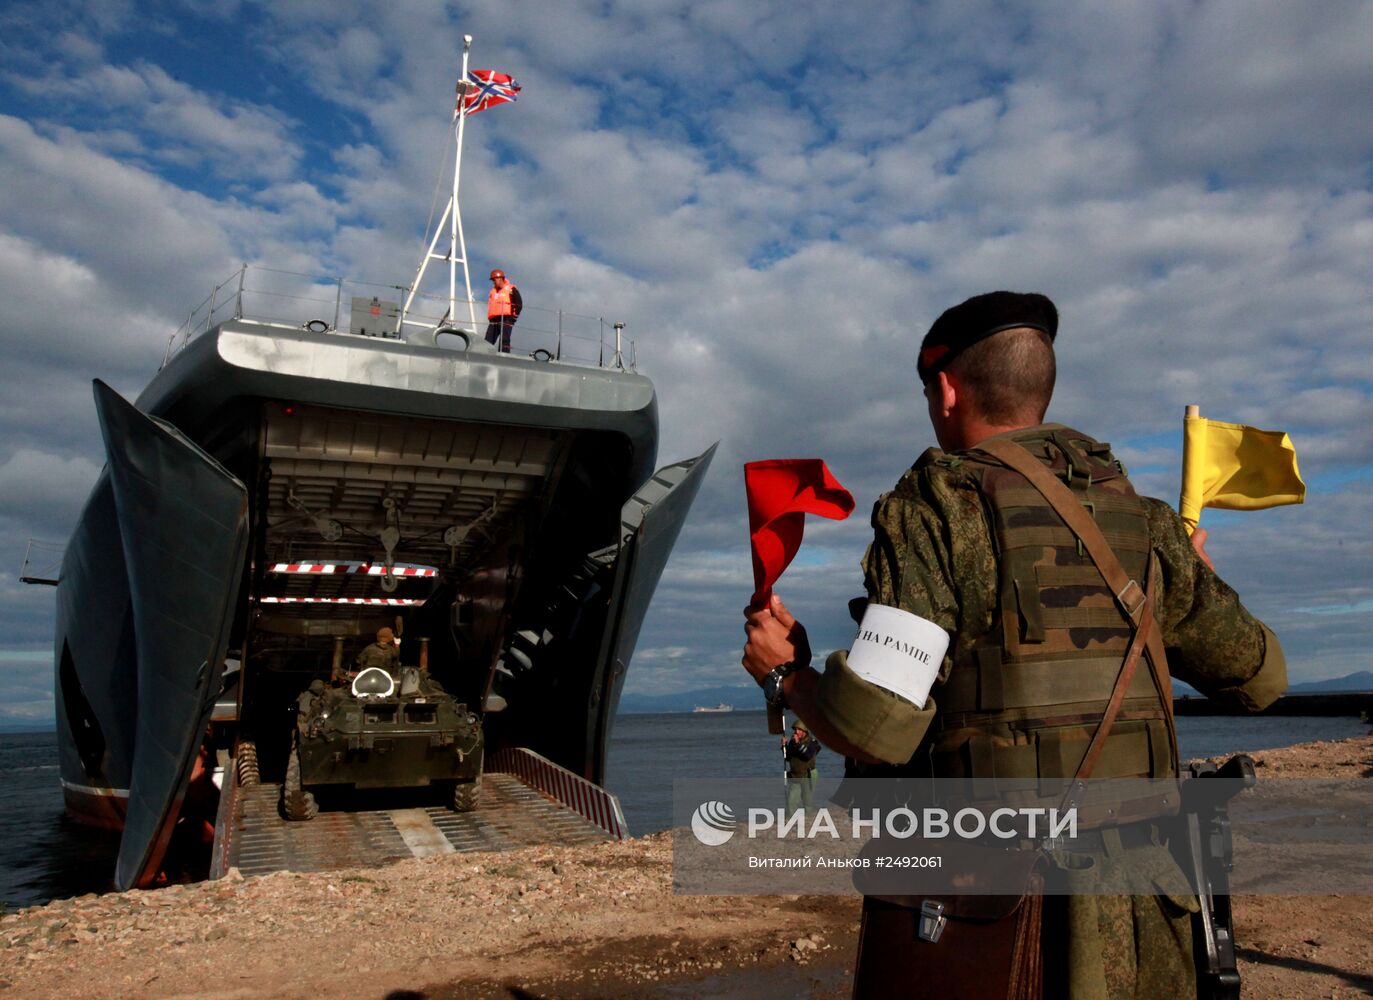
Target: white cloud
(778,200)
(29,477)
(1265,90)
(181,126)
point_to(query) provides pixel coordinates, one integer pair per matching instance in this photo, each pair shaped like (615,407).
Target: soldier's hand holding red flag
(774,637)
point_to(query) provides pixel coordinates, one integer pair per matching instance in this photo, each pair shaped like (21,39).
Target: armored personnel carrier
(377,733)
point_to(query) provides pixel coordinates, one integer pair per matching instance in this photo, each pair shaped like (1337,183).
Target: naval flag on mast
(478,89)
(485,88)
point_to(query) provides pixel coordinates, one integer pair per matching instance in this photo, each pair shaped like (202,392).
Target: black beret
(977,319)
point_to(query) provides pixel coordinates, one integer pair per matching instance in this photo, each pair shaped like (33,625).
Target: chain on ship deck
(540,804)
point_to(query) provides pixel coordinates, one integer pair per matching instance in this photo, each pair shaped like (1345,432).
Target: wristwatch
(772,685)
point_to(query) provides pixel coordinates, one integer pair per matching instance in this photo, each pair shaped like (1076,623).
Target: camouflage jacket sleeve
(930,555)
(1213,643)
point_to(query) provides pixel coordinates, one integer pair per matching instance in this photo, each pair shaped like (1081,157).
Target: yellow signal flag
(1234,467)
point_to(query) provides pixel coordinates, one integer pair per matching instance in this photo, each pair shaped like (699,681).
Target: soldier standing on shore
(975,541)
(800,752)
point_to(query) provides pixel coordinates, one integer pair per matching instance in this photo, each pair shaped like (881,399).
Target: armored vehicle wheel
(466,794)
(296,803)
(245,763)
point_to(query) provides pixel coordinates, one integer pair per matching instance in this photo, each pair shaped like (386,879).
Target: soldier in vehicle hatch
(383,653)
(990,541)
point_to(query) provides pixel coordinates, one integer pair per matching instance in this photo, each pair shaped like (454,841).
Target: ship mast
(452,221)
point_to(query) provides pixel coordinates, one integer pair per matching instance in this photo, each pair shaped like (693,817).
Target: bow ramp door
(183,525)
(650,522)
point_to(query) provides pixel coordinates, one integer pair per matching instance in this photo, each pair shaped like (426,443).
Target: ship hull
(94,658)
(100,808)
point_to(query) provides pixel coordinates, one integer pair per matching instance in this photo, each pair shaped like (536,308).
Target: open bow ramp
(526,800)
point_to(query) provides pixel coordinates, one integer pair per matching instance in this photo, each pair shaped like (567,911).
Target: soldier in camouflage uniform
(965,543)
(800,752)
(307,701)
(383,653)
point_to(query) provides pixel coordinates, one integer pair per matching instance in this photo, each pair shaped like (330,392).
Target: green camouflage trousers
(801,792)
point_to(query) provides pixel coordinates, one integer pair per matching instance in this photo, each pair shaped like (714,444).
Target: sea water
(648,751)
(45,856)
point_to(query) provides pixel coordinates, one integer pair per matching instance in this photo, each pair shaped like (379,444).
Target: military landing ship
(288,484)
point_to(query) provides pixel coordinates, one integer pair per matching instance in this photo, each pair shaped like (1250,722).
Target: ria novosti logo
(713,823)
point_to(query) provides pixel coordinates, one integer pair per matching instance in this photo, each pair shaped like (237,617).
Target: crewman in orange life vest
(503,307)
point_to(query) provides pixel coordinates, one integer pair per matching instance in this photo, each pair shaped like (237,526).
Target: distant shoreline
(1309,704)
(1322,704)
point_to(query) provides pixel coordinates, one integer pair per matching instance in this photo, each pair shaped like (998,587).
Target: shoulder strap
(1135,601)
(1128,593)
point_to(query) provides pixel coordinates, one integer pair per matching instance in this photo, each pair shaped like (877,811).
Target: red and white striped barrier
(587,799)
(367,569)
(390,602)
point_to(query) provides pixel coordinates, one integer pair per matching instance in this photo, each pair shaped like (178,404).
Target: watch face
(772,687)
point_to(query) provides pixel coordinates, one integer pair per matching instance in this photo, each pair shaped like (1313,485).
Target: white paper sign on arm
(898,651)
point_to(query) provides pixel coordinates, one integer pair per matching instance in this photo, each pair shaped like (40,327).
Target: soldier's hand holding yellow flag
(1234,467)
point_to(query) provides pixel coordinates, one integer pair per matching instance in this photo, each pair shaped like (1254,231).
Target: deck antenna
(452,218)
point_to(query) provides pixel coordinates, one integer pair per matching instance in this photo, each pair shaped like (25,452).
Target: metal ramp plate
(511,815)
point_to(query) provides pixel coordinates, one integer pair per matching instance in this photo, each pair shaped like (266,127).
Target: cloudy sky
(777,198)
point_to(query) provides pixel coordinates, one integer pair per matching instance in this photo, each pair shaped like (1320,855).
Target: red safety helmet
(497,273)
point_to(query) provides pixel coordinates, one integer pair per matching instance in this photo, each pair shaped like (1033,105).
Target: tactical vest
(1024,701)
(796,766)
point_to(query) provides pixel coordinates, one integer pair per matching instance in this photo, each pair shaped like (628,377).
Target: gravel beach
(565,922)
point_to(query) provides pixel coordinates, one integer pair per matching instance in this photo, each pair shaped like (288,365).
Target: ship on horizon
(722,707)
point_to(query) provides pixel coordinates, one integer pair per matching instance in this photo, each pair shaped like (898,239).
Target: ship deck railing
(42,562)
(330,305)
